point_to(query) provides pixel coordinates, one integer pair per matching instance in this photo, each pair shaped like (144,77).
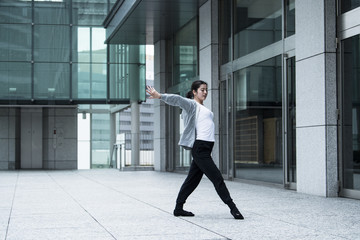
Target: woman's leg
(202,157)
(191,182)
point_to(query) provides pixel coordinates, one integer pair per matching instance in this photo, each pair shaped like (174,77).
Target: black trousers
(203,164)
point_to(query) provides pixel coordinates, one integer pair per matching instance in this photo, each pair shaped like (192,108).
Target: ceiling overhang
(143,22)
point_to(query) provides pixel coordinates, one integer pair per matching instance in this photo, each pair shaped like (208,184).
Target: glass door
(350,119)
(289,122)
(226,133)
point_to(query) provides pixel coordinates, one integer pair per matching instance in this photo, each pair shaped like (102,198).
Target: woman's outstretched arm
(152,92)
(171,99)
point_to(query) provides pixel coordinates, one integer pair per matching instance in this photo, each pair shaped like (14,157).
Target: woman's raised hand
(152,92)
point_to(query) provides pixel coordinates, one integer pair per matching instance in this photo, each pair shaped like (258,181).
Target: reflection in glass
(14,80)
(347,5)
(351,113)
(15,42)
(290,18)
(185,53)
(256,24)
(51,81)
(258,121)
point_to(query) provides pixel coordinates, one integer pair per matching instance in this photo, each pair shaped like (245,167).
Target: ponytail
(190,95)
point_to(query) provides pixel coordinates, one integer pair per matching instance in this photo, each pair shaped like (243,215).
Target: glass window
(14,80)
(98,81)
(81,45)
(290,18)
(127,74)
(347,5)
(351,113)
(225,31)
(256,24)
(52,81)
(100,143)
(15,11)
(81,87)
(51,43)
(186,53)
(15,42)
(98,48)
(258,122)
(52,12)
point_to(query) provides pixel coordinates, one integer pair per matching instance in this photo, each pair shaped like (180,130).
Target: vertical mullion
(32,49)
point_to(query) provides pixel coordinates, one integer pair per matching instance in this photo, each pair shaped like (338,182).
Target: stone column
(160,129)
(316,121)
(209,65)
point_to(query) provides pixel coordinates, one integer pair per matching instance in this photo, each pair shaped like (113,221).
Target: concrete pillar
(135,134)
(316,121)
(160,132)
(209,65)
(112,137)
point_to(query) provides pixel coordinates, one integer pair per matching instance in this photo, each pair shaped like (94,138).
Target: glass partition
(256,24)
(258,122)
(351,113)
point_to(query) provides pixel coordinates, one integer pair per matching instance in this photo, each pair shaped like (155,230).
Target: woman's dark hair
(195,86)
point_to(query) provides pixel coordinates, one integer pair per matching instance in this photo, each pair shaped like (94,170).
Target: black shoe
(236,213)
(183,213)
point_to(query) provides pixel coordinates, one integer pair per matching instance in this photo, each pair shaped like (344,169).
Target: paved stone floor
(108,204)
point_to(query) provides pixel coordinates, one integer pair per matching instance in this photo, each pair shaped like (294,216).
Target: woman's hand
(152,92)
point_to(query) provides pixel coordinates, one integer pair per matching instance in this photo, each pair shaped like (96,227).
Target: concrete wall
(9,138)
(316,133)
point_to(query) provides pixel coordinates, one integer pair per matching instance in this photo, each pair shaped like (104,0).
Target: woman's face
(201,93)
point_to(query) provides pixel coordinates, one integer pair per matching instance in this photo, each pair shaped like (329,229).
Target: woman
(199,136)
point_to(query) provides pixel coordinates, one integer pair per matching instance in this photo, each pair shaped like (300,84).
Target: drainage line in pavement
(82,207)
(139,200)
(12,204)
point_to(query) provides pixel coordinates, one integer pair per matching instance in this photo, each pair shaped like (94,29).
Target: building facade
(283,85)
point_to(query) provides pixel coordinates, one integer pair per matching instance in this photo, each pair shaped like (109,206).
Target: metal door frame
(285,117)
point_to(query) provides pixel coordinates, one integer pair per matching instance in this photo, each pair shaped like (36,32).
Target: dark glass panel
(186,53)
(225,31)
(290,17)
(347,5)
(351,113)
(257,24)
(258,122)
